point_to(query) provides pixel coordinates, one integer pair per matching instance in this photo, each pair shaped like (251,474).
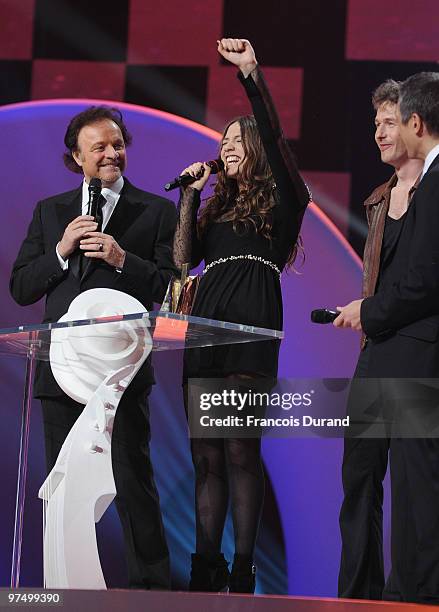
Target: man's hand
(349,316)
(73,233)
(102,246)
(238,51)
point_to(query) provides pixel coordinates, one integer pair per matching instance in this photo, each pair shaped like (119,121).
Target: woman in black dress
(246,234)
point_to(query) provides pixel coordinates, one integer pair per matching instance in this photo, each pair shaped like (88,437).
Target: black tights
(220,465)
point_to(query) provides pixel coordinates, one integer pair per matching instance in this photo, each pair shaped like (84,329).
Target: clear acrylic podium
(169,332)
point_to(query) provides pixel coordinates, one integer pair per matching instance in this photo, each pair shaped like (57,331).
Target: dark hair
(386,92)
(92,114)
(420,94)
(254,201)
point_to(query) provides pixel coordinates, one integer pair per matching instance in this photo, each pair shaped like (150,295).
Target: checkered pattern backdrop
(321,58)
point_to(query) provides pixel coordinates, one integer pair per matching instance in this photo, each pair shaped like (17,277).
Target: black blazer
(142,223)
(402,319)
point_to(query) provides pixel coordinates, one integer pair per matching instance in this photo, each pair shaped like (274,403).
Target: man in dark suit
(128,247)
(365,459)
(401,322)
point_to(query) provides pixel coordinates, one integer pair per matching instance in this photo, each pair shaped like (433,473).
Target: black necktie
(99,214)
(85,261)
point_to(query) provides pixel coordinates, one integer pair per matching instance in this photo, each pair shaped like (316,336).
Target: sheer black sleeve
(187,247)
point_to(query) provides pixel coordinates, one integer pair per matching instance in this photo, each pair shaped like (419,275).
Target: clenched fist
(239,52)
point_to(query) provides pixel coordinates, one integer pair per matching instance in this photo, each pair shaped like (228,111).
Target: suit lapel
(434,163)
(128,209)
(70,209)
(67,211)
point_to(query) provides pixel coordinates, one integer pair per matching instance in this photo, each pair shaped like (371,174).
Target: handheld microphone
(324,315)
(216,166)
(94,191)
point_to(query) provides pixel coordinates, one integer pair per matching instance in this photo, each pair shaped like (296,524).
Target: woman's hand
(200,171)
(238,51)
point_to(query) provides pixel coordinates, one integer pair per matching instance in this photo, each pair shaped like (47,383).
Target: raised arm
(292,189)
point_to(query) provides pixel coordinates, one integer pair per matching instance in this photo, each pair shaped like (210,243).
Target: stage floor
(160,601)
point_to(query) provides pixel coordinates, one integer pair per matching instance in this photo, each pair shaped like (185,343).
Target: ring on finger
(101,246)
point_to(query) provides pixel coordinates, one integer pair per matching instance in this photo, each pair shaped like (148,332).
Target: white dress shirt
(429,159)
(111,195)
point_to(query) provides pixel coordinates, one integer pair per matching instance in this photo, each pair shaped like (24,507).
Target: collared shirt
(429,159)
(111,195)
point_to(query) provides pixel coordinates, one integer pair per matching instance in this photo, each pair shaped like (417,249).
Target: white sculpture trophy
(93,364)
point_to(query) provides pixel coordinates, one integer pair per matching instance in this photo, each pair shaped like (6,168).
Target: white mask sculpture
(93,364)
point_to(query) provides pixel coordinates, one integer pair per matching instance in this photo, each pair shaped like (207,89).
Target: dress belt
(222,260)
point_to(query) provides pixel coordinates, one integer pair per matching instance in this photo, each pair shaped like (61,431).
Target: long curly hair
(254,196)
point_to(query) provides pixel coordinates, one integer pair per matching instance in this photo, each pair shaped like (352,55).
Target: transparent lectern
(168,332)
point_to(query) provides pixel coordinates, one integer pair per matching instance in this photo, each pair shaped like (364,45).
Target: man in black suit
(127,247)
(401,322)
(365,459)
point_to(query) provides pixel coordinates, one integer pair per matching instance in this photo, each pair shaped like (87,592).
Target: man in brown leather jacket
(365,459)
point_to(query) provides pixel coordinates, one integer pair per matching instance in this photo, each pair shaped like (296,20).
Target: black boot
(243,576)
(209,573)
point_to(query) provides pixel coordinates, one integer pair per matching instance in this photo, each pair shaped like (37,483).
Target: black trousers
(361,518)
(137,499)
(365,461)
(414,470)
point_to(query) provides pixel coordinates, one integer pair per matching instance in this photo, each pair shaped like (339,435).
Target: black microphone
(324,315)
(216,166)
(94,191)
